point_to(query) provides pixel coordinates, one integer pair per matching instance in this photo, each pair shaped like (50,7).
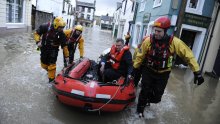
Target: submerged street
(26,97)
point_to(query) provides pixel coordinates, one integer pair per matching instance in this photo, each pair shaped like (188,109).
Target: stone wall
(42,17)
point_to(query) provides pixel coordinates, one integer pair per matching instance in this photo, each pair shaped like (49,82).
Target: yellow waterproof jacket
(40,35)
(80,41)
(177,46)
(136,50)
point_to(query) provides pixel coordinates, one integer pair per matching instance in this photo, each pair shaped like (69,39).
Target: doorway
(188,37)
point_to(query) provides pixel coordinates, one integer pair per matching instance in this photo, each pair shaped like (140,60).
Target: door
(188,37)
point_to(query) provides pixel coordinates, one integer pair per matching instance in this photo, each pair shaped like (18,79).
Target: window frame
(138,31)
(83,9)
(15,7)
(196,4)
(198,9)
(157,3)
(89,10)
(88,17)
(82,15)
(142,5)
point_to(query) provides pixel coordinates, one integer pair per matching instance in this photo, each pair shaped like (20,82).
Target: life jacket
(71,39)
(52,37)
(115,57)
(159,56)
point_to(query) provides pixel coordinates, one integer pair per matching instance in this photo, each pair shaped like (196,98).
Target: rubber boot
(140,111)
(51,80)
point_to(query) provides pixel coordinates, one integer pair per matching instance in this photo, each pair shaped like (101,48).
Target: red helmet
(162,22)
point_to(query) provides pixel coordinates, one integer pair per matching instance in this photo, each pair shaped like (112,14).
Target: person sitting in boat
(74,37)
(116,63)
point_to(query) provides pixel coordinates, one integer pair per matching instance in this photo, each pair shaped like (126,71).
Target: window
(83,9)
(157,3)
(142,7)
(138,28)
(82,15)
(195,6)
(14,11)
(89,10)
(193,3)
(88,17)
(125,6)
(144,31)
(77,8)
(69,23)
(132,9)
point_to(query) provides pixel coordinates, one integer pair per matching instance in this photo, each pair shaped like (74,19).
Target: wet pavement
(27,98)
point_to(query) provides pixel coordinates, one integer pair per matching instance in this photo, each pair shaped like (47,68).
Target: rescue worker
(158,50)
(74,37)
(117,63)
(52,36)
(127,38)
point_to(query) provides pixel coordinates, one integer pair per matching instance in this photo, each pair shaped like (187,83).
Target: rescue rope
(99,109)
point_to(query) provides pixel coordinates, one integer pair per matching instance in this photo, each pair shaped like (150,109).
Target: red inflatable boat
(77,86)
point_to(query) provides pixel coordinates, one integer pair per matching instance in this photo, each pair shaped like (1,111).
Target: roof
(86,4)
(119,5)
(106,18)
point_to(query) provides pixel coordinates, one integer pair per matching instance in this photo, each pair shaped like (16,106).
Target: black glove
(198,79)
(134,71)
(127,80)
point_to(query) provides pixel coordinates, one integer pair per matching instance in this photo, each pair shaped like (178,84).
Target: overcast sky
(104,6)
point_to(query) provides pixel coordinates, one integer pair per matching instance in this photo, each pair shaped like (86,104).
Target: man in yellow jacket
(157,51)
(48,38)
(74,37)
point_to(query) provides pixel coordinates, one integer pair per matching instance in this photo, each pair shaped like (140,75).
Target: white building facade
(58,8)
(85,13)
(68,15)
(126,18)
(15,16)
(116,19)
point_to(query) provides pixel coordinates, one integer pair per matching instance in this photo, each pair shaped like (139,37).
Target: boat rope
(99,109)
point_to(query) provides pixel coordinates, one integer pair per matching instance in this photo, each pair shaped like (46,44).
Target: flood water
(27,98)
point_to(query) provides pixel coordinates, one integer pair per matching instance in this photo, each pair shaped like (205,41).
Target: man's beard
(162,39)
